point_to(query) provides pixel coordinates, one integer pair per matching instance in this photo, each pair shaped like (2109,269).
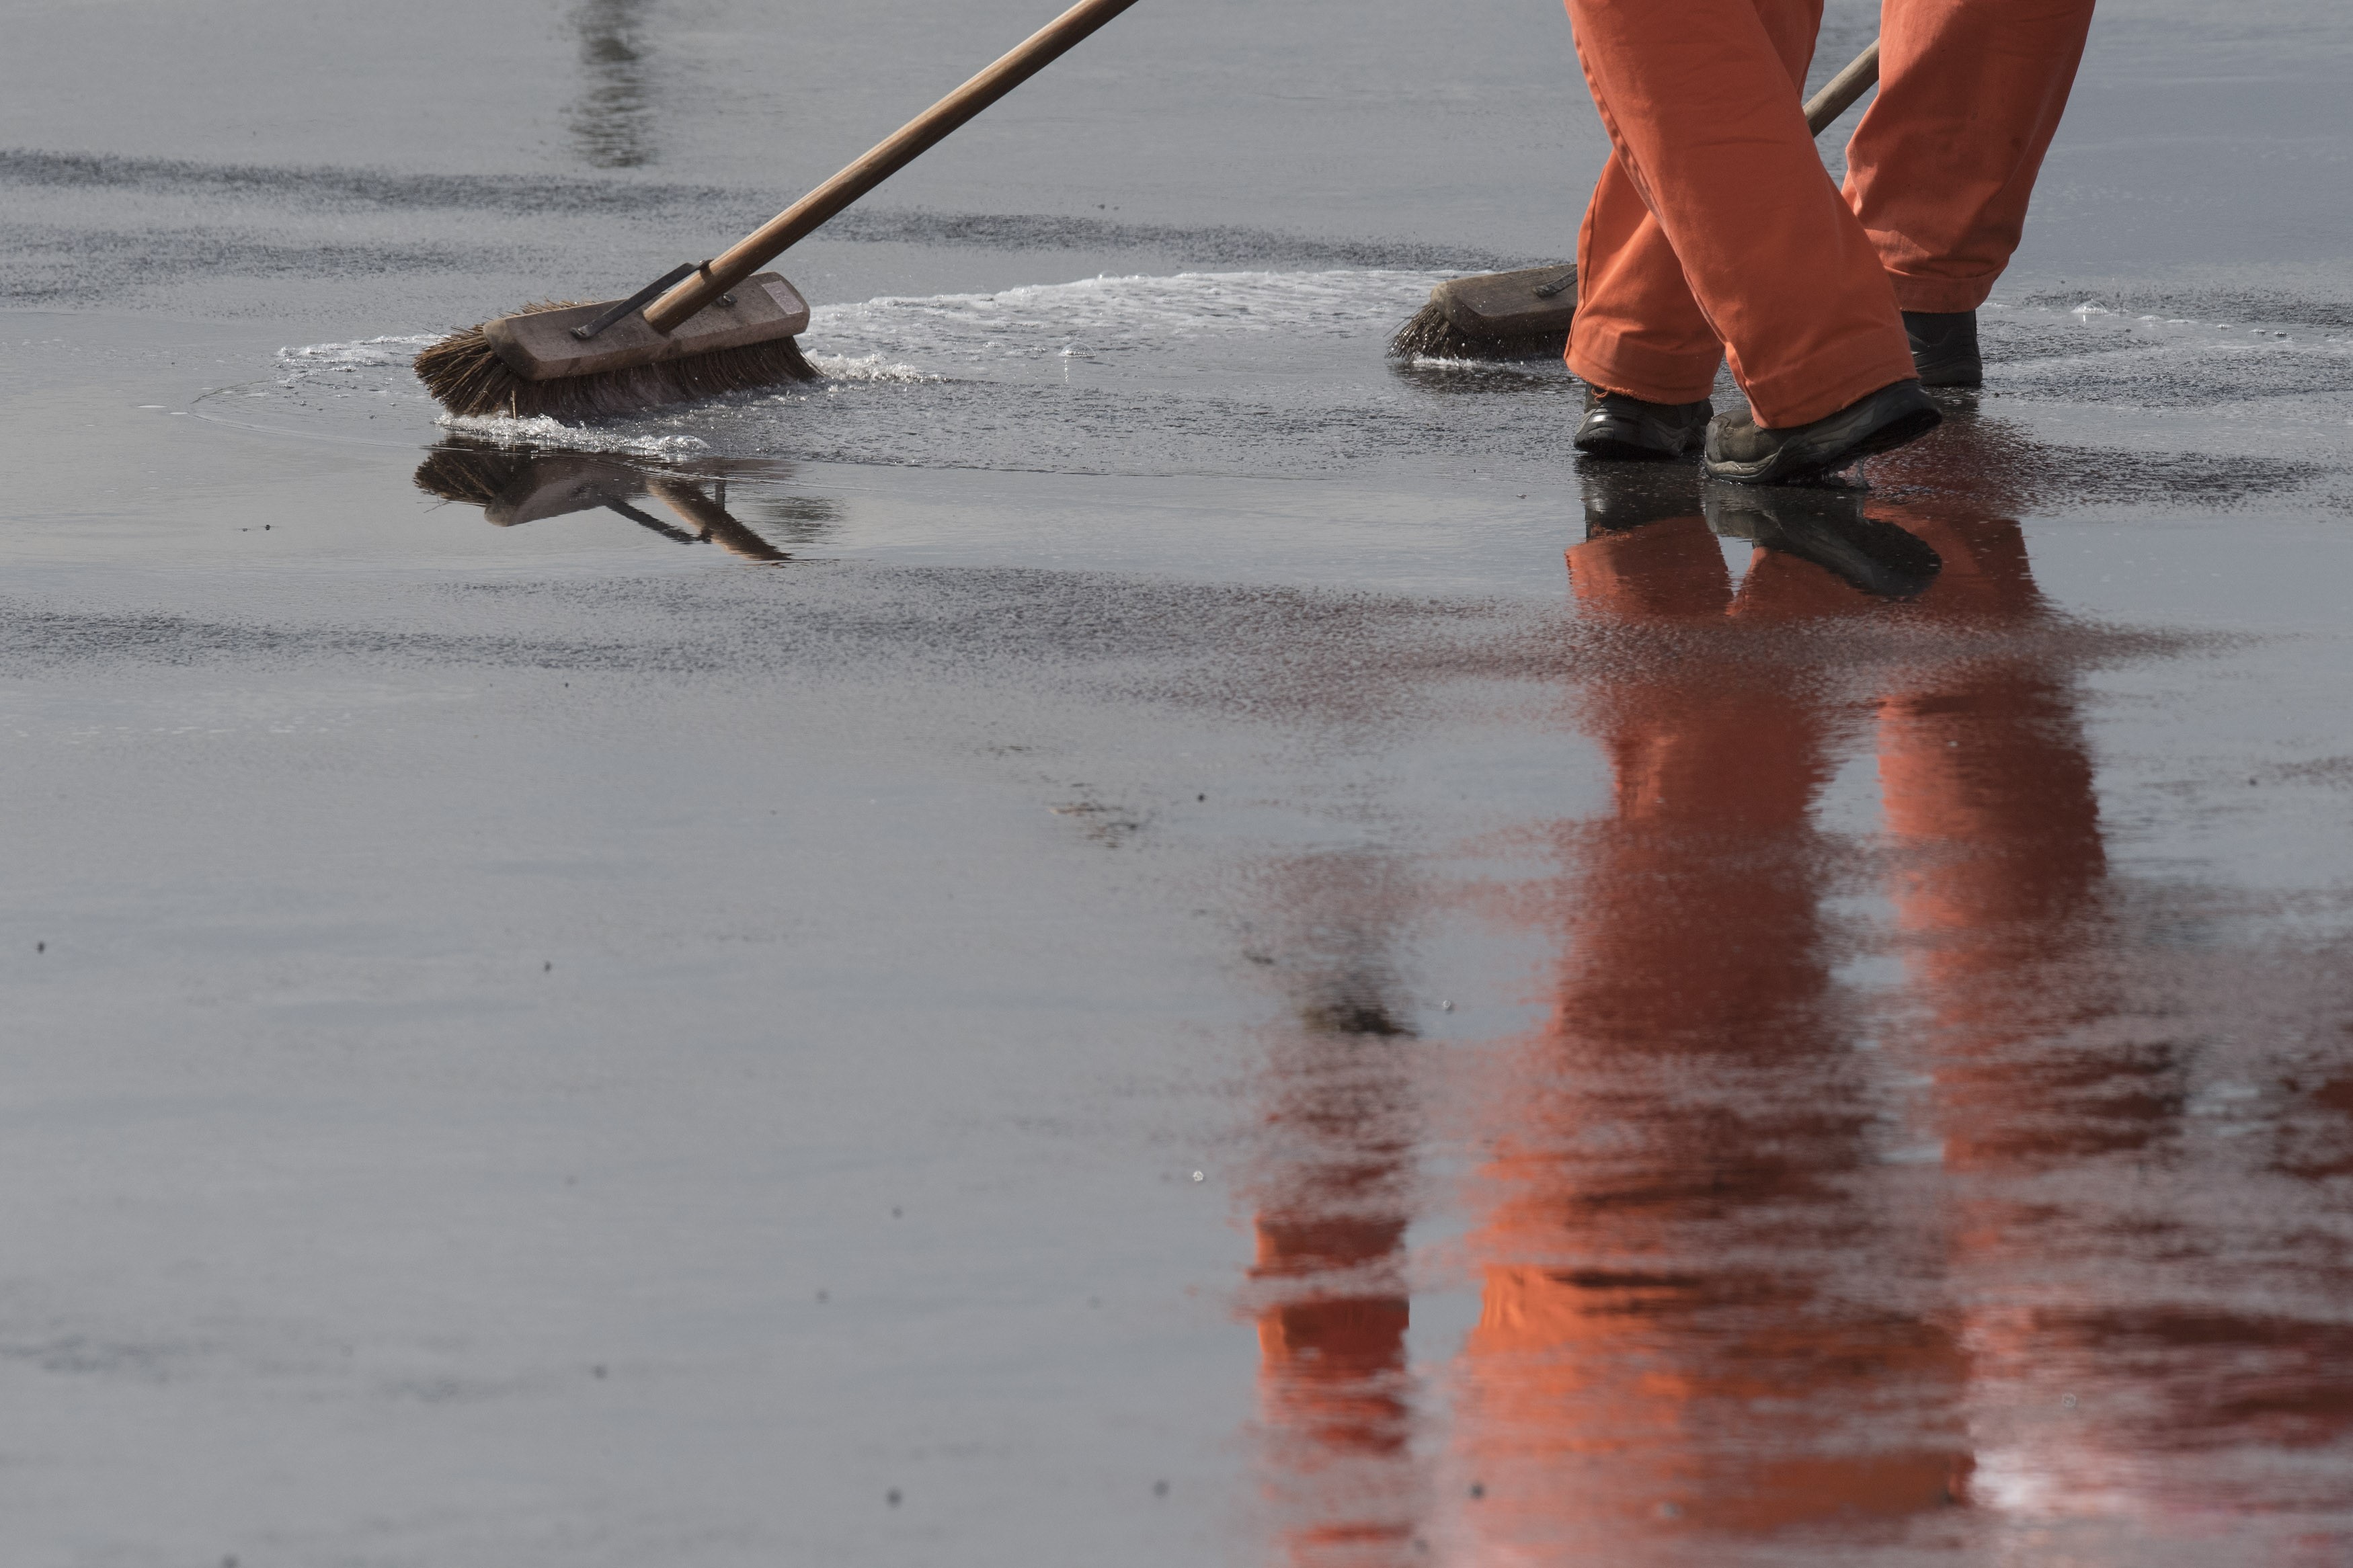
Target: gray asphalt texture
(1076,944)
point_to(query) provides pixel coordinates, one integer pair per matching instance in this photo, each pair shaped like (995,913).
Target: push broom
(1525,314)
(712,327)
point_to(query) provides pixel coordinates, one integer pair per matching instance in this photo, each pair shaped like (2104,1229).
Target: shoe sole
(1610,450)
(1800,461)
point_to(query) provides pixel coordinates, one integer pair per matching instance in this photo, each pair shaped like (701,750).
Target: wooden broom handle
(919,135)
(1839,93)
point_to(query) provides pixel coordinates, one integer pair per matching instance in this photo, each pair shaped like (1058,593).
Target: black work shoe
(1745,453)
(1617,426)
(1945,347)
(1829,528)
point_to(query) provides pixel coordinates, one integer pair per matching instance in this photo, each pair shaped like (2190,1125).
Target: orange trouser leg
(1743,228)
(1941,168)
(1639,329)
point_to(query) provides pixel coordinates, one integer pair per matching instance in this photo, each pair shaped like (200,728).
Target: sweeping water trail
(1164,320)
(1280,374)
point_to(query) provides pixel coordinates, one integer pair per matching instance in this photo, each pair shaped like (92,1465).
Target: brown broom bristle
(468,473)
(466,376)
(1430,335)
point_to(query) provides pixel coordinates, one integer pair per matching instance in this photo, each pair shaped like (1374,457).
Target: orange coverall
(1716,229)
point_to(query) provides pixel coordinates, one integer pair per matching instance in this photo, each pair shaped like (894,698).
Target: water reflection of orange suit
(1987,793)
(1683,1342)
(1329,1277)
(1331,1368)
(2091,1394)
(1687,1329)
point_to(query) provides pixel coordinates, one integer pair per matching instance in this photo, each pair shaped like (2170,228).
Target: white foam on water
(867,367)
(312,360)
(540,432)
(1526,369)
(1280,335)
(1098,319)
(1101,321)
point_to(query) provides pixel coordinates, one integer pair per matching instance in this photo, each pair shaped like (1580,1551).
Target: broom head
(1494,316)
(531,363)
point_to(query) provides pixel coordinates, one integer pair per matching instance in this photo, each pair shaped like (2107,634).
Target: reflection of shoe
(1623,497)
(1617,426)
(1829,528)
(1945,347)
(1746,453)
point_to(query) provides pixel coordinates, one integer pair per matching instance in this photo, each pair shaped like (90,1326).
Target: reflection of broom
(712,327)
(1525,314)
(471,474)
(514,488)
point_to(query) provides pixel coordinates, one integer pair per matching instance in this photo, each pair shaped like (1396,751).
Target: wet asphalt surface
(1123,933)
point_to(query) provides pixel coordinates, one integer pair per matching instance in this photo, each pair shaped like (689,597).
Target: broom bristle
(466,376)
(1430,335)
(468,473)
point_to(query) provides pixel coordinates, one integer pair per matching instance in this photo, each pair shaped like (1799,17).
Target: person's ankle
(1945,347)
